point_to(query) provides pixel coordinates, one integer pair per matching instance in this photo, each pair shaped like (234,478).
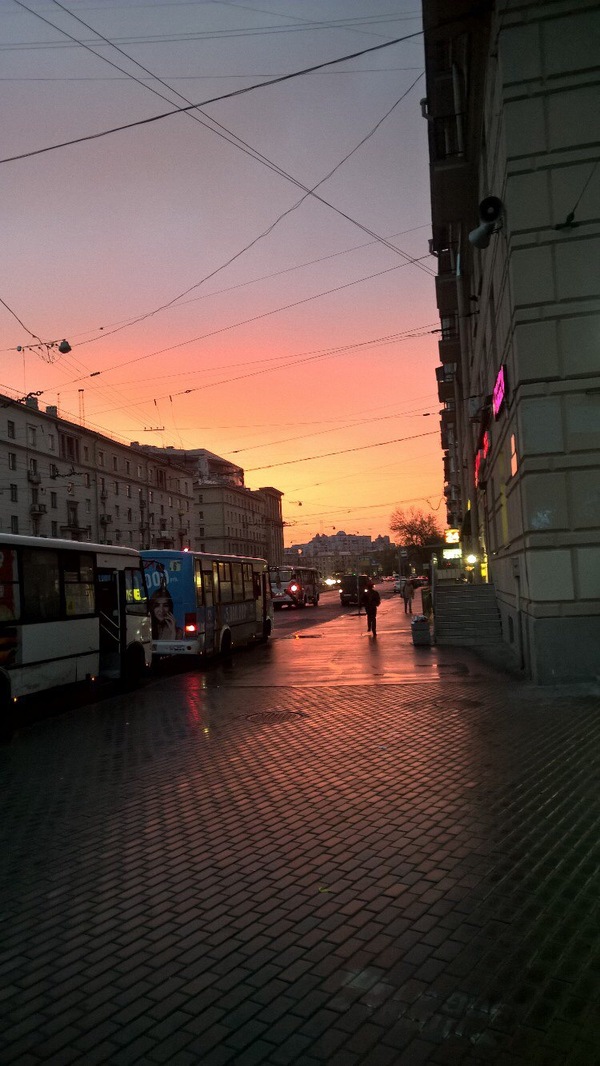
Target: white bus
(294,586)
(204,604)
(69,612)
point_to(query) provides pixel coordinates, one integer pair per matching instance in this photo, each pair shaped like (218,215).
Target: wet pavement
(331,850)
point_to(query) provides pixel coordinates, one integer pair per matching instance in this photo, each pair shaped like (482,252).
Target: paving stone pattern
(353,876)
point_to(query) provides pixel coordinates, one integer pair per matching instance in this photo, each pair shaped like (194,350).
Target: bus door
(111,610)
(260,594)
(209,609)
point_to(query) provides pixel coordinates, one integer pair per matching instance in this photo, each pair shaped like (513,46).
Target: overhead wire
(342,451)
(203,103)
(269,229)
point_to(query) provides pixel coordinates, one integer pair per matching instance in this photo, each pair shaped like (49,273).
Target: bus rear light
(190,624)
(191,628)
(293,588)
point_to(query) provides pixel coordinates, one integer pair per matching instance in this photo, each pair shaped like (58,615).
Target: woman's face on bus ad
(161,607)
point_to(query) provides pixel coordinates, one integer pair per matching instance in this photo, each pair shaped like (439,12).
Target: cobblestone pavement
(228,868)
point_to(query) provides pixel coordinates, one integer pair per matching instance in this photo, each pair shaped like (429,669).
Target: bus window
(41,585)
(79,584)
(9,586)
(225,592)
(136,597)
(248,583)
(207,581)
(198,581)
(238,582)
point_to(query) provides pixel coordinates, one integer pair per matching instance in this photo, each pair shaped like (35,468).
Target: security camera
(490,215)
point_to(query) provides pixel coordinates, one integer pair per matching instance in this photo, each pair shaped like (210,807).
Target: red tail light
(190,624)
(293,588)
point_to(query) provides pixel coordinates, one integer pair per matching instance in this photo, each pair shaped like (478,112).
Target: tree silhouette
(415,528)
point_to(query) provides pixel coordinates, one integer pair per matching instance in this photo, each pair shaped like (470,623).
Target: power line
(211,100)
(344,451)
(234,325)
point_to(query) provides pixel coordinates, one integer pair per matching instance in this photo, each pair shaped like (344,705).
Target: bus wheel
(134,668)
(226,645)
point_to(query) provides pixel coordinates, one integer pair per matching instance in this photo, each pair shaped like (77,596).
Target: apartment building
(60,479)
(513,114)
(230,518)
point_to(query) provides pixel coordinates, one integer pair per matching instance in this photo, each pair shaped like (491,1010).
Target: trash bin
(419,628)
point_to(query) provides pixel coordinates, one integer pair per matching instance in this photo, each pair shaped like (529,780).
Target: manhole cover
(274,716)
(308,636)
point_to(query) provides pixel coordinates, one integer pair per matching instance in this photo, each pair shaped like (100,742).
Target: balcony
(105,519)
(445,375)
(38,509)
(33,477)
(446,293)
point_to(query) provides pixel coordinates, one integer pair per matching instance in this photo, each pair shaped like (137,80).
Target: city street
(328,850)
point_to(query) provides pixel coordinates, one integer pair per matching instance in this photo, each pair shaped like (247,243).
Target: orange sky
(293,339)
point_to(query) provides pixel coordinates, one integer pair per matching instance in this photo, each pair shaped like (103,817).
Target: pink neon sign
(499,393)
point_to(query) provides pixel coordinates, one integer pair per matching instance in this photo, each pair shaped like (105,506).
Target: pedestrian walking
(408,593)
(371,600)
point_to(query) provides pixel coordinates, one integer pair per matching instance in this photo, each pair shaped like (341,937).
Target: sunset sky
(209,300)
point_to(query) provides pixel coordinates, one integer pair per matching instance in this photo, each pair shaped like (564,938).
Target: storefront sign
(499,393)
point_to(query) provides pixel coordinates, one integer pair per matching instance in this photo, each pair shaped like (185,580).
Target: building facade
(61,479)
(230,518)
(513,113)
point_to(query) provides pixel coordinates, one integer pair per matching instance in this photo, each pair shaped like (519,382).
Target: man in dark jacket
(371,600)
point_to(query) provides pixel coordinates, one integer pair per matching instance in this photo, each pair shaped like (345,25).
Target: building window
(53,470)
(128,491)
(51,442)
(116,488)
(139,474)
(11,431)
(13,493)
(127,465)
(117,511)
(200,514)
(88,506)
(150,496)
(12,460)
(86,480)
(514,461)
(71,514)
(54,529)
(129,514)
(33,468)
(31,436)
(53,500)
(69,447)
(86,454)
(201,531)
(34,495)
(14,523)
(100,458)
(115,463)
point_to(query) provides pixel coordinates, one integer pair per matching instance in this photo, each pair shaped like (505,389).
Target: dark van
(352,587)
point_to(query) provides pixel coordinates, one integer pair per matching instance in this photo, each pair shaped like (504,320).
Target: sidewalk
(332,851)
